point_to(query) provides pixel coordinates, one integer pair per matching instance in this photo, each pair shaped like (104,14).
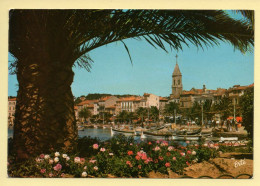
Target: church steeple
(176,81)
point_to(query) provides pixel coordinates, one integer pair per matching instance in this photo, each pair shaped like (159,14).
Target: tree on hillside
(48,43)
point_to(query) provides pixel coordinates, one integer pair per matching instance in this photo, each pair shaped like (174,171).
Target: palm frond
(73,33)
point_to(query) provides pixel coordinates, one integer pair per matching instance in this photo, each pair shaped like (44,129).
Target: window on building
(174,82)
(179,82)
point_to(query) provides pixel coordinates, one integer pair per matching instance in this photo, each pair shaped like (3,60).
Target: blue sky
(112,71)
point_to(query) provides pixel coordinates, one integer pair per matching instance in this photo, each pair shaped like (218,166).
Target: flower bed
(120,156)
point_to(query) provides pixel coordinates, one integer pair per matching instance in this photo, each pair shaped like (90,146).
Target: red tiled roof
(163,99)
(86,102)
(11,99)
(111,107)
(130,98)
(188,92)
(90,106)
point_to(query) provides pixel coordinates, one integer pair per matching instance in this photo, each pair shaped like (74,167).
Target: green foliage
(169,108)
(84,113)
(96,96)
(154,113)
(247,104)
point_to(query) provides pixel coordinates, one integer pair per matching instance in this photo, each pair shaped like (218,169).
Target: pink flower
(92,161)
(130,153)
(95,146)
(43,171)
(102,149)
(174,158)
(50,174)
(82,160)
(149,143)
(182,154)
(167,164)
(188,152)
(58,167)
(42,156)
(131,144)
(160,158)
(62,175)
(144,156)
(137,157)
(77,159)
(157,148)
(188,163)
(170,148)
(164,143)
(187,141)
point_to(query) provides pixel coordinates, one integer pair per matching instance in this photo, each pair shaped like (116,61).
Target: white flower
(193,153)
(64,155)
(170,148)
(46,156)
(111,154)
(205,144)
(84,174)
(56,159)
(57,154)
(85,168)
(95,168)
(67,158)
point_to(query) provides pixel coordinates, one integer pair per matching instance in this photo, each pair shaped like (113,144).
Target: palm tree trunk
(45,119)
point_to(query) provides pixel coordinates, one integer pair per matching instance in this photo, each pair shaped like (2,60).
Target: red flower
(188,163)
(42,156)
(168,153)
(167,164)
(160,158)
(149,143)
(82,160)
(139,166)
(137,157)
(188,152)
(129,163)
(130,153)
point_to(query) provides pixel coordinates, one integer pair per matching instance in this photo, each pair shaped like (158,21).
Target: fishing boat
(185,132)
(124,132)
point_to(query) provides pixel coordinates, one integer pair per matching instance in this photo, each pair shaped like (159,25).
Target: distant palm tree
(84,113)
(48,43)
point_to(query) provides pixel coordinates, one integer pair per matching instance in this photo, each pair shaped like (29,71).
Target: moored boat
(125,132)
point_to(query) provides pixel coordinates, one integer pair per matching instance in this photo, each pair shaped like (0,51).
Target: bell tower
(176,82)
